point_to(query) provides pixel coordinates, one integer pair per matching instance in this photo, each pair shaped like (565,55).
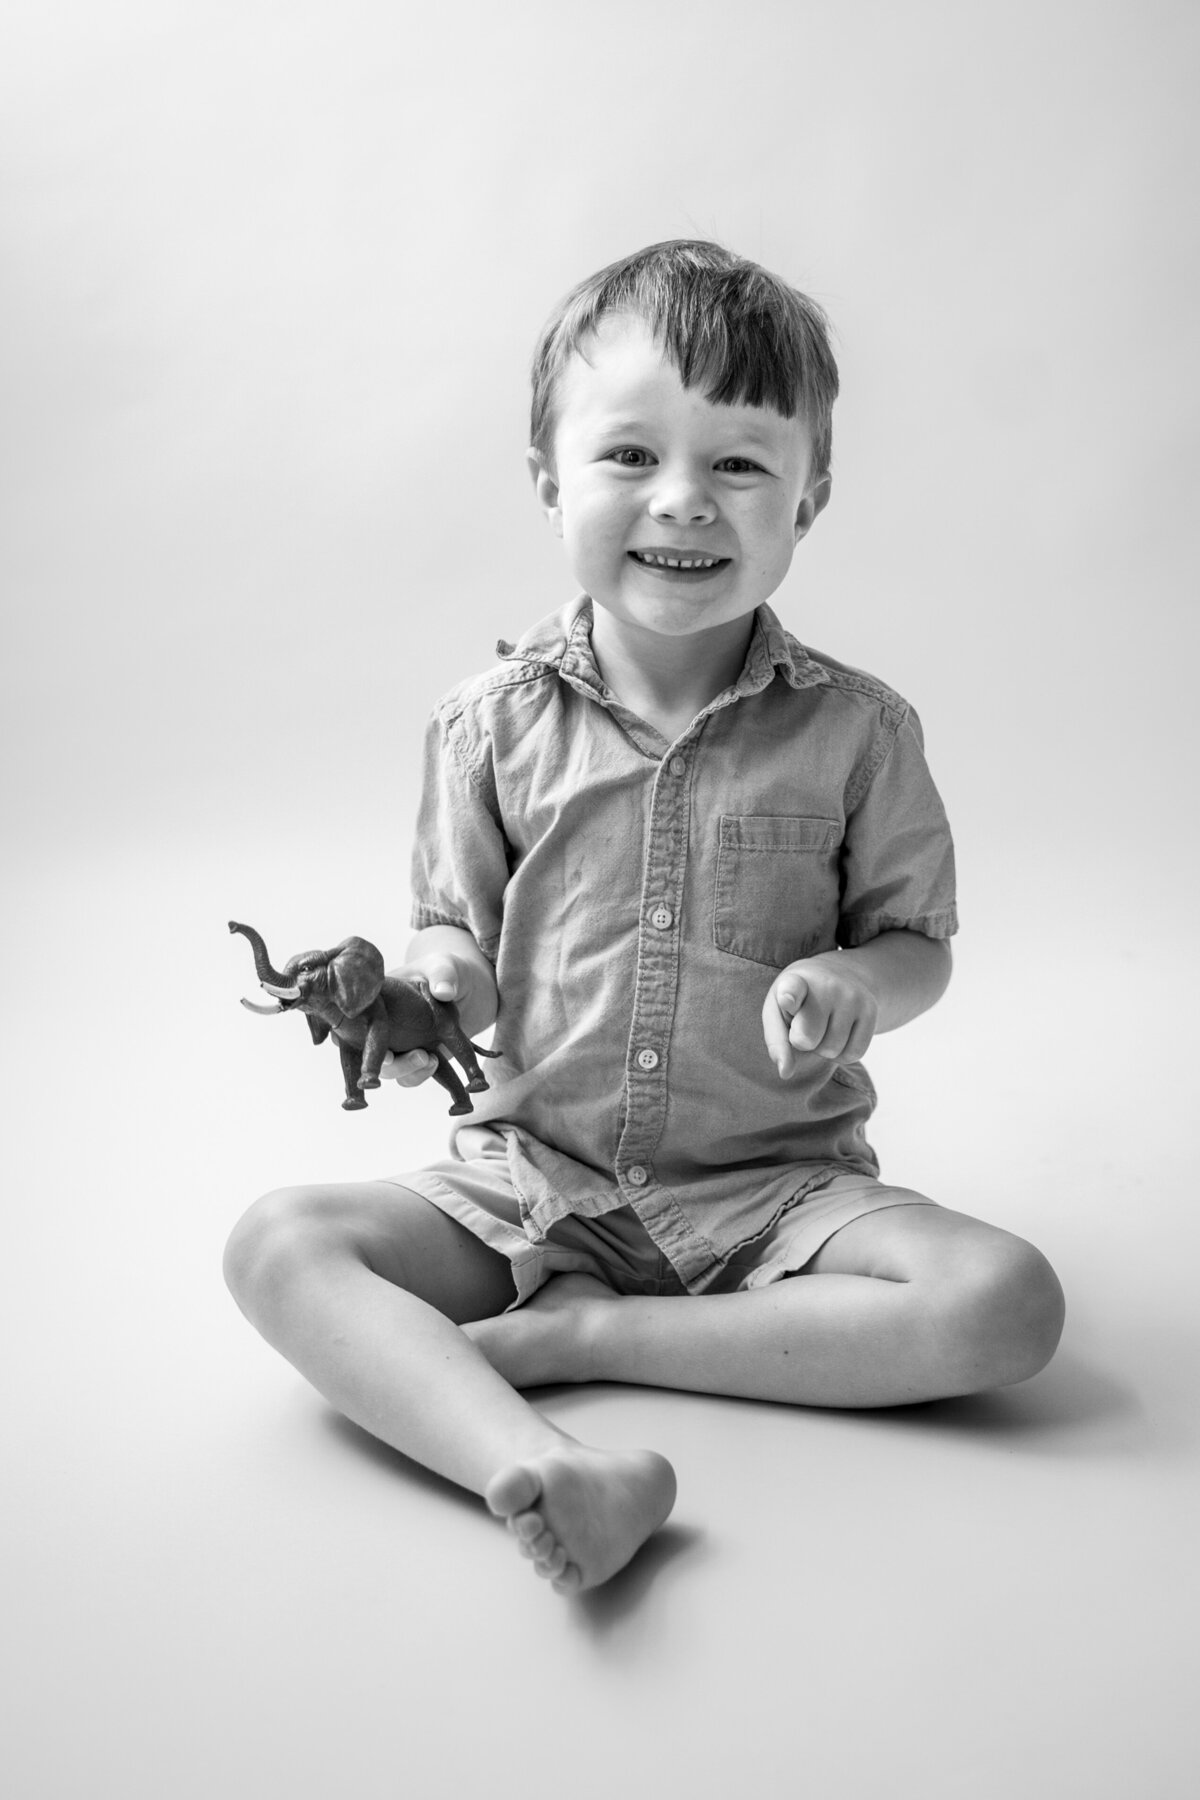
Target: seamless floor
(217,1587)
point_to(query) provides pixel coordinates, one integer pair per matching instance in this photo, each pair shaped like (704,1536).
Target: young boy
(689,869)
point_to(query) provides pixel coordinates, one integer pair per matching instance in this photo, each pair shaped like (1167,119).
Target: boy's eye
(630,457)
(737,465)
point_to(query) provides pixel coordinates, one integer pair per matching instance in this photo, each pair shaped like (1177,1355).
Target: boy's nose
(682,498)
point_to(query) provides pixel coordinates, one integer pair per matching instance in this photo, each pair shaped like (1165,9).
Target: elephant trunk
(262,962)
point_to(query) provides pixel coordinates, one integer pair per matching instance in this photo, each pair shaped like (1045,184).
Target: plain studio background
(272,277)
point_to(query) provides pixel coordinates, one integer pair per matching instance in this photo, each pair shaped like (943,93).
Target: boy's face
(649,475)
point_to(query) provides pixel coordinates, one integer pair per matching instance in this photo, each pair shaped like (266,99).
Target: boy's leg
(363,1288)
(905,1304)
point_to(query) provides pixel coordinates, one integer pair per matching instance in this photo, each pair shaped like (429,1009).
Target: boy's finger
(442,976)
(834,1039)
(808,1026)
(791,994)
(857,1044)
(775,1028)
(408,1070)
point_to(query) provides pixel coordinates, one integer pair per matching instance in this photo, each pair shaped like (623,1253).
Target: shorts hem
(804,1244)
(525,1259)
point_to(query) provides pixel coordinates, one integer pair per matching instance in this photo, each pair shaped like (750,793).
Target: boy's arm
(460,869)
(456,969)
(833,1004)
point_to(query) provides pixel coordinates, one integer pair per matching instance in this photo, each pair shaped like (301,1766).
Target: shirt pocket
(777,887)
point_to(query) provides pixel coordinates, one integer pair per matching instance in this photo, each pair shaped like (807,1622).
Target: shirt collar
(563,642)
(772,650)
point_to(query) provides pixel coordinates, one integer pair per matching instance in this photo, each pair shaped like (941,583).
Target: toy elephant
(344,993)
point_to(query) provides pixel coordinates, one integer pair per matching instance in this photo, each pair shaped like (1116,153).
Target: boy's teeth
(678,562)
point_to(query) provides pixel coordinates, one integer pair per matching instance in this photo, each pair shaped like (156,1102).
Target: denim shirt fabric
(637,900)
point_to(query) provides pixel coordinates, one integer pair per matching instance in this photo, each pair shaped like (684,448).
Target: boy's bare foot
(579,1513)
(546,1340)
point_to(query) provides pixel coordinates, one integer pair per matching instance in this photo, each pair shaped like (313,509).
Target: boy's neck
(668,680)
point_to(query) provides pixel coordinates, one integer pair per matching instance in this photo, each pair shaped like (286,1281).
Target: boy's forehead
(621,372)
(620,358)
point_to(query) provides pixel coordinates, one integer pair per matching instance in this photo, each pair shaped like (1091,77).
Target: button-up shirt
(637,899)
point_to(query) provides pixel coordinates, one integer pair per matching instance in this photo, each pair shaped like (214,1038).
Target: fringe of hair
(728,325)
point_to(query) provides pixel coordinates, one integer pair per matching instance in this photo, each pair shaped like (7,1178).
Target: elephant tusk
(252,1006)
(281,993)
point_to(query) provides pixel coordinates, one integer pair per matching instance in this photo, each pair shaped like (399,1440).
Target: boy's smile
(677,514)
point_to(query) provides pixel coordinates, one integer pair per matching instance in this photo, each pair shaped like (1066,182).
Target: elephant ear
(356,971)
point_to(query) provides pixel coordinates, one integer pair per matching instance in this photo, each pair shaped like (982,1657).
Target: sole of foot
(579,1514)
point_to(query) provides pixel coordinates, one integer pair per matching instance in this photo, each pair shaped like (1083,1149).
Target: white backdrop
(272,276)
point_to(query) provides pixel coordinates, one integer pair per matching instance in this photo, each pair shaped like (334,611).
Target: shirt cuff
(859,928)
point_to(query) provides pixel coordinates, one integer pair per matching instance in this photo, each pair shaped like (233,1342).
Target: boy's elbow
(927,961)
(934,963)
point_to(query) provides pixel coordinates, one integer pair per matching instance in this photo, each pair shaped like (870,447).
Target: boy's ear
(815,501)
(546,489)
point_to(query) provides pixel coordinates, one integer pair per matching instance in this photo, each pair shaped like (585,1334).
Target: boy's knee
(279,1235)
(1007,1315)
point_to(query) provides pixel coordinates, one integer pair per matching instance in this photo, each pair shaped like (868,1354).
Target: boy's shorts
(618,1249)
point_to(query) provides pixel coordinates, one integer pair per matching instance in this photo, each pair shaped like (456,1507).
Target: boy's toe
(512,1492)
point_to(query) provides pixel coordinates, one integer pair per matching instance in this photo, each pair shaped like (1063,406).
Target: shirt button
(662,917)
(647,1059)
(678,766)
(638,1175)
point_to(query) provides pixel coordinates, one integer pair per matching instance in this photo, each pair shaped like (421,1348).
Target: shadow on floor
(1071,1409)
(604,1608)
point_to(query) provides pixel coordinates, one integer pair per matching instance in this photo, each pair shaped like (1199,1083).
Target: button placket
(657,980)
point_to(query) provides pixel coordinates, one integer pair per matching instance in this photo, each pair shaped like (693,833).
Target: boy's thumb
(444,982)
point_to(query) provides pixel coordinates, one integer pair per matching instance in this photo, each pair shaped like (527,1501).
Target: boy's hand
(819,1006)
(416,1066)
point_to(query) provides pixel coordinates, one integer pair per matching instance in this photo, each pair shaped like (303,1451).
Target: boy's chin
(679,618)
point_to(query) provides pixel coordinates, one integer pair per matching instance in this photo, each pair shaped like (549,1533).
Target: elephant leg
(374,1051)
(476,1080)
(351,1069)
(447,1076)
(462,1050)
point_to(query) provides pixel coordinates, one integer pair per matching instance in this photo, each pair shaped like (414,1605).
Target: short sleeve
(460,863)
(898,855)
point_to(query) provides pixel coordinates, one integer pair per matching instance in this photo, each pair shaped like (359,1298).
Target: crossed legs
(906,1304)
(395,1313)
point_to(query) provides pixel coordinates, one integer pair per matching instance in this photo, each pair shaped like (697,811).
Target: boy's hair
(726,324)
